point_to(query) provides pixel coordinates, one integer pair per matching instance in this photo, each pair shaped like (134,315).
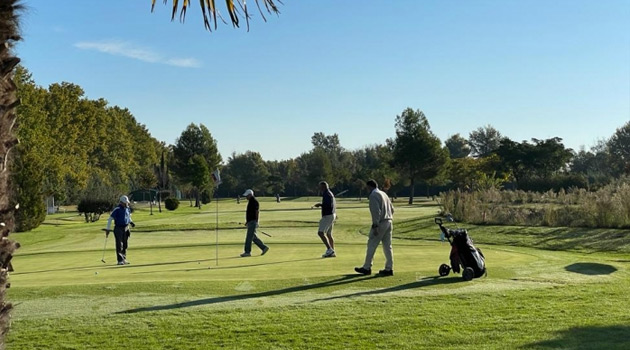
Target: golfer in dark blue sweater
(121,215)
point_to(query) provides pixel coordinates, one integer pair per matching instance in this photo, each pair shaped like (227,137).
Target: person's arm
(131,220)
(109,223)
(257,211)
(375,211)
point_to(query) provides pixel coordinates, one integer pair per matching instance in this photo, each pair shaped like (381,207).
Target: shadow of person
(424,282)
(583,338)
(335,282)
(591,268)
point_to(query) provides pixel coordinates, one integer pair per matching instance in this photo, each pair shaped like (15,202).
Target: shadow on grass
(335,282)
(566,238)
(228,267)
(582,338)
(591,268)
(114,266)
(425,282)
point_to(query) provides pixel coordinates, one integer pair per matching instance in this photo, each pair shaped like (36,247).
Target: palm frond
(210,12)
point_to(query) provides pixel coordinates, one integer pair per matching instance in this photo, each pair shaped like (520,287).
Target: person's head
(124,200)
(248,193)
(371,184)
(323,185)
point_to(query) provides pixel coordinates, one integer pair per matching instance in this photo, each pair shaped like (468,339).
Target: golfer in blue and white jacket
(121,215)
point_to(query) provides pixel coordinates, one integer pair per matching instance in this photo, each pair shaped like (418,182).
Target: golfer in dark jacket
(251,221)
(121,215)
(326,223)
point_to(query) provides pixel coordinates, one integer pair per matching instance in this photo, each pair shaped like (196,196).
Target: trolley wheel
(468,274)
(444,270)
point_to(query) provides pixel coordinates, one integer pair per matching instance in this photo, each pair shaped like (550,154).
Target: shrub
(206,197)
(165,194)
(93,208)
(554,183)
(608,207)
(171,203)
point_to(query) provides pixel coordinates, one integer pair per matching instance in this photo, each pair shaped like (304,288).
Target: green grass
(546,288)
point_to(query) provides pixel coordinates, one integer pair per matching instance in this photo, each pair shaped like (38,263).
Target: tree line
(75,148)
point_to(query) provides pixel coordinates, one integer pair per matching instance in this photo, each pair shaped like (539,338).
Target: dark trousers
(121,233)
(252,237)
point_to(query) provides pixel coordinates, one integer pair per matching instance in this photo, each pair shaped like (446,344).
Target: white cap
(248,192)
(124,199)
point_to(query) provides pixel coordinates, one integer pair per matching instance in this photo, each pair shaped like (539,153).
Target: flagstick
(217,229)
(216,176)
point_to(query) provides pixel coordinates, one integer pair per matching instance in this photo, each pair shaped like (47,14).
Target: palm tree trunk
(8,102)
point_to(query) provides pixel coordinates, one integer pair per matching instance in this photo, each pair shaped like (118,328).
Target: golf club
(340,193)
(104,246)
(261,231)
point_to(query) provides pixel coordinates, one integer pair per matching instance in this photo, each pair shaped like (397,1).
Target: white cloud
(126,49)
(184,62)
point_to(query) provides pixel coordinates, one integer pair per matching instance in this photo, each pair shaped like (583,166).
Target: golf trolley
(463,253)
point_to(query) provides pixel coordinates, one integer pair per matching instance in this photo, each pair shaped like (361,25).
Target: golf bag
(463,253)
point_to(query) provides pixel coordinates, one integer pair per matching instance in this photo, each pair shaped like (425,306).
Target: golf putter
(261,231)
(104,246)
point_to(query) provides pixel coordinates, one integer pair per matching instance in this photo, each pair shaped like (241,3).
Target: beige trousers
(383,233)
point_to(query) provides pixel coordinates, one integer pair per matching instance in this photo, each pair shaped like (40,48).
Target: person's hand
(132,224)
(106,232)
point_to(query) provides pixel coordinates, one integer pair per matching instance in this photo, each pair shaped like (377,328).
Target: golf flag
(216,177)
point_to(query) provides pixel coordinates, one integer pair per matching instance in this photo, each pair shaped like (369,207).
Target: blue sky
(533,68)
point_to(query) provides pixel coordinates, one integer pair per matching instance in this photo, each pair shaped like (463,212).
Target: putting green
(175,277)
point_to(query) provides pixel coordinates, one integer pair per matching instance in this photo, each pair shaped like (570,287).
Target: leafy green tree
(194,141)
(594,165)
(619,149)
(329,143)
(146,180)
(340,159)
(484,141)
(374,162)
(292,174)
(541,158)
(28,168)
(417,153)
(9,35)
(249,170)
(277,176)
(28,176)
(472,174)
(314,167)
(161,173)
(457,146)
(199,176)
